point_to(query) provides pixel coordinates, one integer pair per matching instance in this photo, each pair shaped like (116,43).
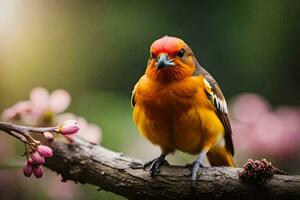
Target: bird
(178,105)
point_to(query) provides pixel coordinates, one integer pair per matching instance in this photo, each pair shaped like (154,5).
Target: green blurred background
(97,50)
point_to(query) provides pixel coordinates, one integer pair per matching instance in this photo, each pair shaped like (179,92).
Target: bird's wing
(217,98)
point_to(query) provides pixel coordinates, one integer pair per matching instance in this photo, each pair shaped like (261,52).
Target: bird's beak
(164,61)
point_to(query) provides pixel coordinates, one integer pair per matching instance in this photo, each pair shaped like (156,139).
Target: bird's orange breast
(177,115)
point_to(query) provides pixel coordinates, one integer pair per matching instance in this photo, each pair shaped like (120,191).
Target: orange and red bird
(178,105)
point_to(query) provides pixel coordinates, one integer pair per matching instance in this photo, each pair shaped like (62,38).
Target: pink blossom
(40,98)
(59,101)
(56,102)
(37,158)
(17,110)
(258,129)
(42,110)
(248,107)
(8,114)
(48,136)
(41,107)
(37,171)
(267,133)
(241,134)
(23,107)
(44,151)
(27,168)
(90,132)
(69,127)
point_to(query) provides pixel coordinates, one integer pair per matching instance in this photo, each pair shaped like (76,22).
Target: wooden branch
(87,163)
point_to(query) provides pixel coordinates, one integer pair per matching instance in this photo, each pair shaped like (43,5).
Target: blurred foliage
(112,113)
(103,45)
(97,50)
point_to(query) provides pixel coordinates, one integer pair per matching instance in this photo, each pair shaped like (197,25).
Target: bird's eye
(181,53)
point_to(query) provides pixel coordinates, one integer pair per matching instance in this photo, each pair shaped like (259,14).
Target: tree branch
(87,163)
(22,132)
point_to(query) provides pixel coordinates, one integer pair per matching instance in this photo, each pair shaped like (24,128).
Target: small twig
(21,132)
(39,129)
(21,129)
(18,136)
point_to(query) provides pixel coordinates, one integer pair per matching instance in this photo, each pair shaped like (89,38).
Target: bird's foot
(196,165)
(155,164)
(190,166)
(195,169)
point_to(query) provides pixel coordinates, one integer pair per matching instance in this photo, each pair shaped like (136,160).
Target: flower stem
(21,132)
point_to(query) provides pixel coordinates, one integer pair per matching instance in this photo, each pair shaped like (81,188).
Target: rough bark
(93,164)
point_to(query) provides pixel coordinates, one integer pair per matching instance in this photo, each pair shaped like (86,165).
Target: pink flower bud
(69,127)
(48,136)
(37,158)
(27,168)
(37,171)
(44,151)
(70,138)
(29,161)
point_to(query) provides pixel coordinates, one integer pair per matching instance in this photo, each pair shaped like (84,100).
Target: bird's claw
(196,166)
(155,164)
(191,165)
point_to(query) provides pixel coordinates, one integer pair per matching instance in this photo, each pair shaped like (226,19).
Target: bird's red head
(170,59)
(169,45)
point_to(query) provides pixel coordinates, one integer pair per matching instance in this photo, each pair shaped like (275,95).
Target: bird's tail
(220,157)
